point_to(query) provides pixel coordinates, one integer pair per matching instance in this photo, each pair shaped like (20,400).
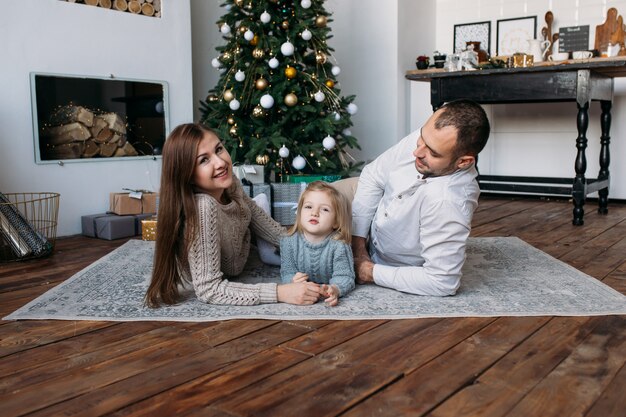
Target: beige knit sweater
(221,248)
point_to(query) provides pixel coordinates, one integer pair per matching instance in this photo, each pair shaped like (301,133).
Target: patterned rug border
(506,254)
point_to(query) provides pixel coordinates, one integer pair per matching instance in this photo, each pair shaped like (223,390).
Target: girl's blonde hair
(341,205)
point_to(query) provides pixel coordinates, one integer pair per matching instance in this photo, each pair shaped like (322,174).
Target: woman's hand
(331,292)
(300,293)
(300,277)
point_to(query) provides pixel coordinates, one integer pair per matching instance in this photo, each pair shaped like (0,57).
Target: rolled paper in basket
(19,232)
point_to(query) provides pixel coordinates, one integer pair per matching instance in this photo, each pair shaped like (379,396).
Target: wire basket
(28,225)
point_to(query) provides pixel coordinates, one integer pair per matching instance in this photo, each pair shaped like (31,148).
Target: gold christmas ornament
(227,56)
(262,159)
(285,24)
(258,112)
(239,3)
(255,40)
(330,83)
(291,99)
(320,21)
(211,98)
(231,120)
(233,131)
(320,58)
(290,72)
(258,53)
(242,29)
(261,84)
(228,95)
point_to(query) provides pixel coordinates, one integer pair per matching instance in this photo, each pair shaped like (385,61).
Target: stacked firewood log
(145,7)
(76,132)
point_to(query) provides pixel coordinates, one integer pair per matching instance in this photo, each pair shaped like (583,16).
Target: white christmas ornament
(319,96)
(265,17)
(228,7)
(273,63)
(267,101)
(305,4)
(283,152)
(352,108)
(240,76)
(249,35)
(287,48)
(329,142)
(234,104)
(335,70)
(346,132)
(306,35)
(337,116)
(225,28)
(298,162)
(215,63)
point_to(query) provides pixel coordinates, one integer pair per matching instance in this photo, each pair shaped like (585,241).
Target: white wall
(60,37)
(539,139)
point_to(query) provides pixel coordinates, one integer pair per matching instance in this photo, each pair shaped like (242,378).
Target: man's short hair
(471,123)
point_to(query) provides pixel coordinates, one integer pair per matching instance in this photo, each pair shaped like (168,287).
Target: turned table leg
(605,156)
(580,165)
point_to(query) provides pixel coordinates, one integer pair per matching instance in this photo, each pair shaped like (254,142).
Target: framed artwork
(513,34)
(472,32)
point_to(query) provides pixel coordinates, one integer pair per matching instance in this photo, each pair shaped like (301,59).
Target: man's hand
(301,293)
(363,265)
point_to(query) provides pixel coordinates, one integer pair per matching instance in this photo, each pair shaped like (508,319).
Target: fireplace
(97,119)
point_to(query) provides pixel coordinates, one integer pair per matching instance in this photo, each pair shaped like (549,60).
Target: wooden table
(581,81)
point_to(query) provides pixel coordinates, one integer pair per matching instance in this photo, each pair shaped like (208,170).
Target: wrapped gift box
(252,173)
(108,226)
(149,229)
(138,221)
(133,203)
(311,178)
(285,201)
(252,190)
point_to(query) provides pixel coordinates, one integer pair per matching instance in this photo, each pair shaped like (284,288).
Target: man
(415,204)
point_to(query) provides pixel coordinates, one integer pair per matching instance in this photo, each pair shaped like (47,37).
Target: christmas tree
(277,102)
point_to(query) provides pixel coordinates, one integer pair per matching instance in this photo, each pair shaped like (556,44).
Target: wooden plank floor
(507,366)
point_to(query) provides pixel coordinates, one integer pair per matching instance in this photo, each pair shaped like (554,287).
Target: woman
(204,226)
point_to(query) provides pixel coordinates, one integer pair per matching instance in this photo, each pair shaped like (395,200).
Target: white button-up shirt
(418,227)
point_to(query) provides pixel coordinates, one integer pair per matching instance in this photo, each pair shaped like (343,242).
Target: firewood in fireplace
(115,122)
(147,9)
(108,149)
(70,113)
(98,124)
(67,151)
(91,2)
(67,133)
(104,136)
(105,3)
(91,149)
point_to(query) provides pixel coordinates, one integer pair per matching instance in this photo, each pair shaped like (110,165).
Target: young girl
(317,247)
(205,223)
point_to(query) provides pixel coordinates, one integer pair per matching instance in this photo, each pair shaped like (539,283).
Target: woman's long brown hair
(177,216)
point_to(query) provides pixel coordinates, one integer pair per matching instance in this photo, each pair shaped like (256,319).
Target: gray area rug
(502,277)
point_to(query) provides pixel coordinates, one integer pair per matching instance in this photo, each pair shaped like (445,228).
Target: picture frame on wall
(472,32)
(512,35)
